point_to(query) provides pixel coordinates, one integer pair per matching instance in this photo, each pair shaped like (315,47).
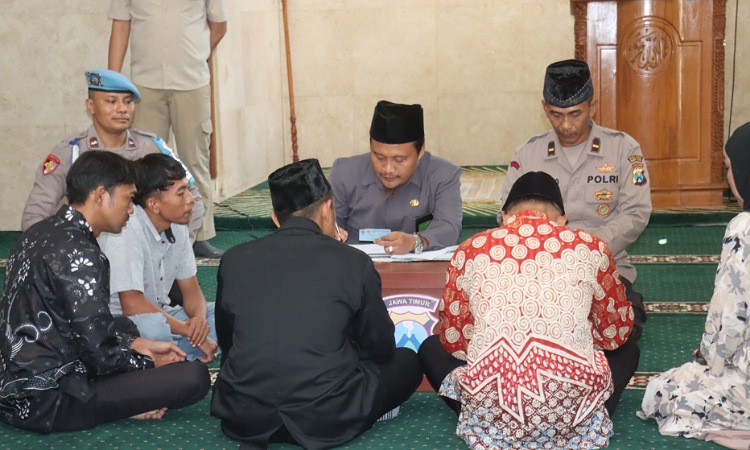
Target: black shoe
(204,249)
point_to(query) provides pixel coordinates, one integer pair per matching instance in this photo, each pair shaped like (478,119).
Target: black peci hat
(567,83)
(393,123)
(297,185)
(535,184)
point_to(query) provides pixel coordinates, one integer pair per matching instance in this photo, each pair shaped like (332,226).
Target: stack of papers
(377,253)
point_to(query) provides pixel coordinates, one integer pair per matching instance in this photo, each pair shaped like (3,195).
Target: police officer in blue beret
(110,102)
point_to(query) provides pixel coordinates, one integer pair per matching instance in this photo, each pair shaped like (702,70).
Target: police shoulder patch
(50,164)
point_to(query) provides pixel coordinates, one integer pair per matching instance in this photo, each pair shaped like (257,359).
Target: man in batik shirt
(526,310)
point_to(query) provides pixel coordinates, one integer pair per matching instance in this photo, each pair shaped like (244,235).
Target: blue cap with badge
(110,81)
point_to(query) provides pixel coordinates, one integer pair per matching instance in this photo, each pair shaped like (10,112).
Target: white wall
(476,66)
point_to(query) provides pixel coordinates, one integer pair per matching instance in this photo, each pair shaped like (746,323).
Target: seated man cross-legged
(526,310)
(309,354)
(154,251)
(65,365)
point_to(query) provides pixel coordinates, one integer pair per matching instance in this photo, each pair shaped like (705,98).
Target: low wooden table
(411,292)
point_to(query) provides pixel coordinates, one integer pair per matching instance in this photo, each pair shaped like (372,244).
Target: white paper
(443,254)
(377,253)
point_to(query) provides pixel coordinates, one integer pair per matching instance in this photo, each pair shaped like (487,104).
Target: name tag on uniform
(371,234)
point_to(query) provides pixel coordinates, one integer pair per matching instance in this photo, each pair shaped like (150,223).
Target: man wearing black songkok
(604,182)
(309,355)
(398,185)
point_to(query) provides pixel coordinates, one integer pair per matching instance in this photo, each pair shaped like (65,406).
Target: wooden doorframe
(579,10)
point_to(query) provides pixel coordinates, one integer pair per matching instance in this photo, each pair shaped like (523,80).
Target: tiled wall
(475,65)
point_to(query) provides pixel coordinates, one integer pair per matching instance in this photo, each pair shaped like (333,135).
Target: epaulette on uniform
(143,133)
(66,140)
(611,131)
(626,136)
(538,136)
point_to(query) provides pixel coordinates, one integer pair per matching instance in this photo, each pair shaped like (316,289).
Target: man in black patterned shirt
(63,364)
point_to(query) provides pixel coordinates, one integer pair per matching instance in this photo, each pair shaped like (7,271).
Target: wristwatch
(418,244)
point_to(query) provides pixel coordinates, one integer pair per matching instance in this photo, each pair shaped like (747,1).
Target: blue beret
(110,81)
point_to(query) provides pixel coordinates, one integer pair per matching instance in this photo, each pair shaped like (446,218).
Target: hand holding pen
(341,235)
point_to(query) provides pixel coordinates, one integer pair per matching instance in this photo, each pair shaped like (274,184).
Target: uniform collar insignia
(595,145)
(551,149)
(93,142)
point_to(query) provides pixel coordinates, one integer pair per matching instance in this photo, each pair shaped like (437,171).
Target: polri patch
(639,176)
(50,164)
(635,159)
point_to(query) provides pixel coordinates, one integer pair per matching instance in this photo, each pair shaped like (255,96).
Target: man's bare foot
(151,415)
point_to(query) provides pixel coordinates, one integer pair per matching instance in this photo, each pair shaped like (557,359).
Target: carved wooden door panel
(658,71)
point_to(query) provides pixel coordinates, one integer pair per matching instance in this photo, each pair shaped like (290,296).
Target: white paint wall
(476,66)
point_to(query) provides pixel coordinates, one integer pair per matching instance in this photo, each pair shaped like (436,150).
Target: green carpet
(423,423)
(676,262)
(668,340)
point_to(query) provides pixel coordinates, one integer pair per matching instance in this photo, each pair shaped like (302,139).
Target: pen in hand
(338,232)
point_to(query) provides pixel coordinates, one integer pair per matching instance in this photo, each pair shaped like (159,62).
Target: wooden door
(658,71)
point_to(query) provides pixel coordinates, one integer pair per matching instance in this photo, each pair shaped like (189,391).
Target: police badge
(50,164)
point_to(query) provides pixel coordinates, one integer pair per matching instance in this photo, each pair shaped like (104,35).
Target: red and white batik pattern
(527,305)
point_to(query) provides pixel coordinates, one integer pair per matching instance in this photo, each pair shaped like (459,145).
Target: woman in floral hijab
(709,398)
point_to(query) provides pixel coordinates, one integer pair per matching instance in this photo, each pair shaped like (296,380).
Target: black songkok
(535,184)
(393,123)
(567,83)
(297,185)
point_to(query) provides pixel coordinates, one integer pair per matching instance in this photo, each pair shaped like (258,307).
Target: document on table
(377,253)
(374,251)
(443,254)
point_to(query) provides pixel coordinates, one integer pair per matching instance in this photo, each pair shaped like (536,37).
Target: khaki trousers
(188,113)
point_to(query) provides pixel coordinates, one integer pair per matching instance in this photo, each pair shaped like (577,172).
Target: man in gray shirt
(398,186)
(152,252)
